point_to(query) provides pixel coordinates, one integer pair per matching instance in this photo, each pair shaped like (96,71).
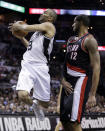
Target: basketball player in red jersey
(81,75)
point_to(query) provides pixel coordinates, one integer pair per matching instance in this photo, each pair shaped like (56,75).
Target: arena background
(16,116)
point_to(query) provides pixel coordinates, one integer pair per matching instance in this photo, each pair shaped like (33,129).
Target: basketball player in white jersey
(35,71)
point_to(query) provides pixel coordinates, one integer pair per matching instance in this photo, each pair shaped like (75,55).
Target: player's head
(48,16)
(80,21)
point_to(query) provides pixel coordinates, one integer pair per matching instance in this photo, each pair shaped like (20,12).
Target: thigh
(42,84)
(65,106)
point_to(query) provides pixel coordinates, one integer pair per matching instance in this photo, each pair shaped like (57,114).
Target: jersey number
(30,45)
(73,55)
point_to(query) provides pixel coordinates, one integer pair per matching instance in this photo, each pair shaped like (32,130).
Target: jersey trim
(74,73)
(82,98)
(82,45)
(46,45)
(75,68)
(78,98)
(48,37)
(73,41)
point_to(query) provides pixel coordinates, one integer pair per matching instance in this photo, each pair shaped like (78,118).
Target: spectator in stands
(2,19)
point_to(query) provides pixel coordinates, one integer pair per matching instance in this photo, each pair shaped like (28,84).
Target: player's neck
(82,32)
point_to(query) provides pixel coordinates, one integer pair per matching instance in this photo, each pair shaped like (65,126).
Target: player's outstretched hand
(67,86)
(10,27)
(13,26)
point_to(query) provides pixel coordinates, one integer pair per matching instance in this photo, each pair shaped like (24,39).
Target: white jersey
(39,49)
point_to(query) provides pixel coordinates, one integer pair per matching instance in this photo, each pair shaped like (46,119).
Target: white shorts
(36,77)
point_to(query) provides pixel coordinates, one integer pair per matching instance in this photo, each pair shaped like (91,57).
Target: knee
(44,104)
(23,95)
(75,125)
(66,126)
(71,126)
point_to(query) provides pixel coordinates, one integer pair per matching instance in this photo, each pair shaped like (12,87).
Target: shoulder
(50,29)
(72,39)
(91,43)
(90,38)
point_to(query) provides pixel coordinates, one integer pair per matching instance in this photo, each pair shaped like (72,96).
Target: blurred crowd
(11,50)
(9,103)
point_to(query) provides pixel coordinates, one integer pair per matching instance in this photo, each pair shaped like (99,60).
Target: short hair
(53,14)
(84,18)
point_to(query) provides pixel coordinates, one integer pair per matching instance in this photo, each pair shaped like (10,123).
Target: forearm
(59,96)
(64,73)
(30,28)
(95,80)
(25,42)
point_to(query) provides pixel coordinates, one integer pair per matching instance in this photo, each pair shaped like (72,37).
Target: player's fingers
(10,24)
(90,104)
(70,90)
(87,105)
(69,86)
(66,92)
(18,22)
(10,28)
(93,104)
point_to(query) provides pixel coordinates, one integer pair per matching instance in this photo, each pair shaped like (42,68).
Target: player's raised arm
(46,27)
(46,24)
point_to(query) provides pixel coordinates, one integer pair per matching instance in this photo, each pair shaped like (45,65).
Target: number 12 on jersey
(73,55)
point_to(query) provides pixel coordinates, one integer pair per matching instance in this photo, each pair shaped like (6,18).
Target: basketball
(19,32)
